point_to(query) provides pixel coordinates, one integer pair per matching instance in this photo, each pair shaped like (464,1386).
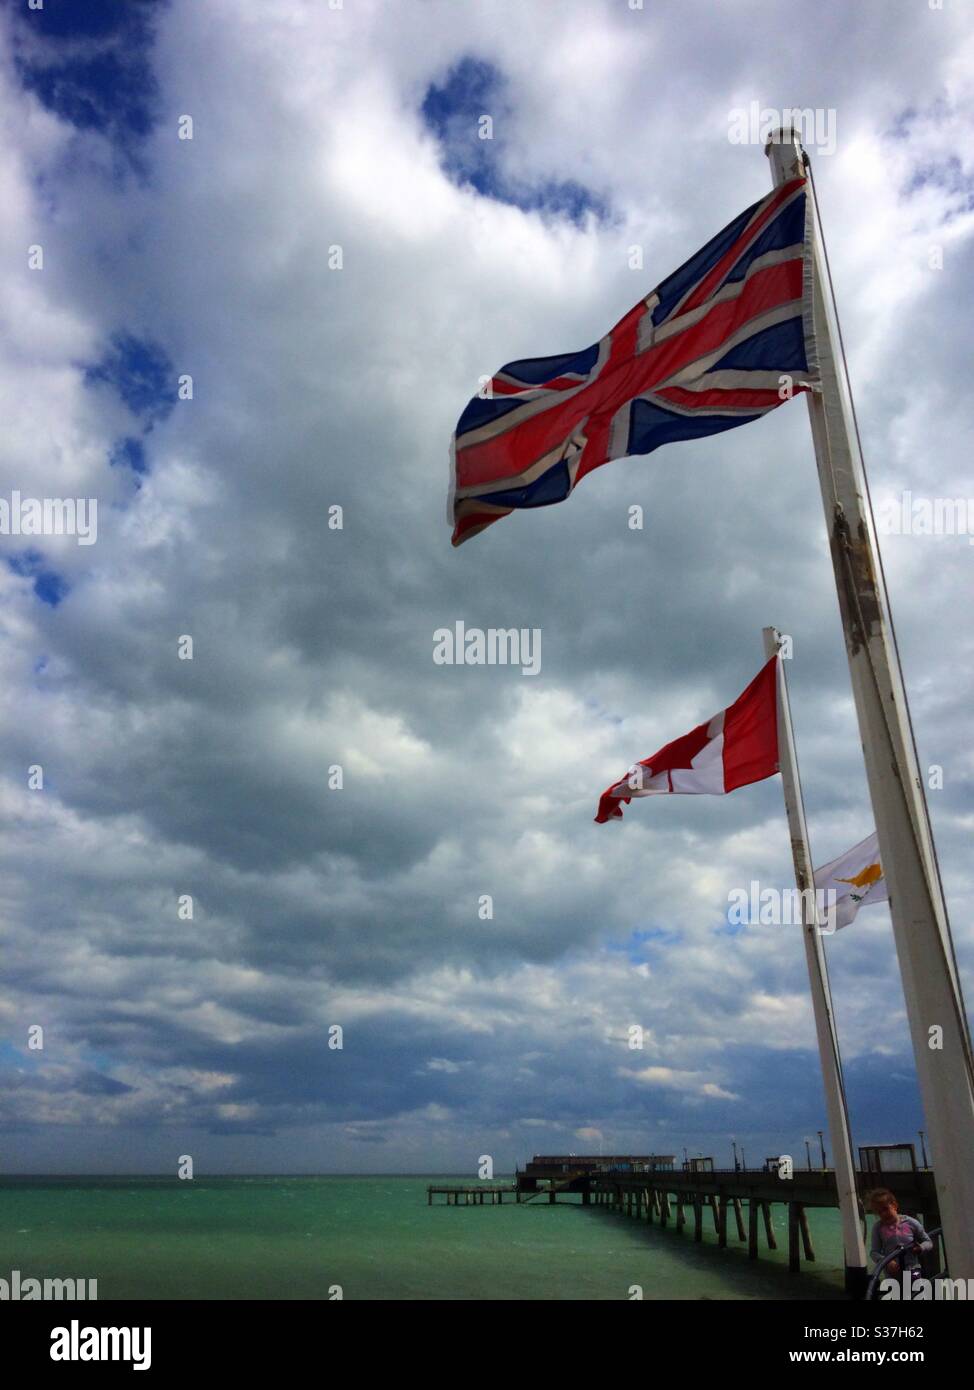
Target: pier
(738,1202)
(481,1194)
(685,1199)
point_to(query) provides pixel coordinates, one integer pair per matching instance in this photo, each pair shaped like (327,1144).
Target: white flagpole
(931,985)
(818,978)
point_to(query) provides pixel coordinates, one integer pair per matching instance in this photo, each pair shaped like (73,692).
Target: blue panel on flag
(787,229)
(650,426)
(480,411)
(552,486)
(780,348)
(535,371)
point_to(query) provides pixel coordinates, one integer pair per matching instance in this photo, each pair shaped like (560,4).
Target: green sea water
(375,1237)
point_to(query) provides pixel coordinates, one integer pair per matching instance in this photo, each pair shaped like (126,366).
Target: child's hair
(882,1194)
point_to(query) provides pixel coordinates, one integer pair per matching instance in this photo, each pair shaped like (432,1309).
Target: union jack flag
(705,352)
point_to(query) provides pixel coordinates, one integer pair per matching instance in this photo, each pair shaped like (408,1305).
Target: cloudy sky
(335,258)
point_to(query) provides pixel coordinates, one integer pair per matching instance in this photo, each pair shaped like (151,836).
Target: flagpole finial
(784,148)
(772,641)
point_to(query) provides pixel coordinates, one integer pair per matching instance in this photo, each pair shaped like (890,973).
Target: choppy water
(284,1237)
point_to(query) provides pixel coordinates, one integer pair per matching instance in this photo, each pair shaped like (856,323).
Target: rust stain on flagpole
(862,593)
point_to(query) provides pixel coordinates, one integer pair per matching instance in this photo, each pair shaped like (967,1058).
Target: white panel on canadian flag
(646,784)
(707,772)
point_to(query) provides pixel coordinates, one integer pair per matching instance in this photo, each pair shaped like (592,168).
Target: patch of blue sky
(90,64)
(49,586)
(663,936)
(949,176)
(642,941)
(96,1083)
(140,372)
(129,453)
(900,126)
(469,113)
(946,174)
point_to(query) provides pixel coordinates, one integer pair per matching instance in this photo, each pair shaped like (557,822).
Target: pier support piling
(752,1229)
(794,1254)
(739,1218)
(806,1233)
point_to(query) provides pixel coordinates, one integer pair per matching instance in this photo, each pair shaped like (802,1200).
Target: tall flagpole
(828,1043)
(931,985)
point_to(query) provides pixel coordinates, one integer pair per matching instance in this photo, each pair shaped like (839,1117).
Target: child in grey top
(891,1231)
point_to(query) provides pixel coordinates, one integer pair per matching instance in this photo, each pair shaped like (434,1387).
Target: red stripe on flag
(751,731)
(714,277)
(500,387)
(468,525)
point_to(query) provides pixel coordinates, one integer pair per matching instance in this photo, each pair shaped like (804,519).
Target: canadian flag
(739,745)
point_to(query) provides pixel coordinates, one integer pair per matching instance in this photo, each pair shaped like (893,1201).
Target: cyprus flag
(857,879)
